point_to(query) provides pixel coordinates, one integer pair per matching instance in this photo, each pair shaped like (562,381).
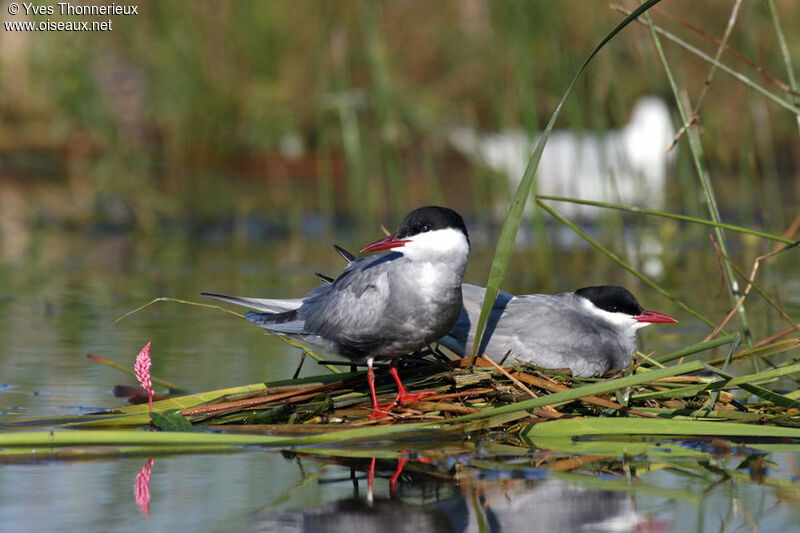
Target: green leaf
(581,427)
(138,415)
(191,400)
(171,420)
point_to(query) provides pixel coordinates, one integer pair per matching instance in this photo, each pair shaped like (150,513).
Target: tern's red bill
(385,244)
(654,317)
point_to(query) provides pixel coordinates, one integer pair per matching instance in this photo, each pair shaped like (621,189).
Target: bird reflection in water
(422,501)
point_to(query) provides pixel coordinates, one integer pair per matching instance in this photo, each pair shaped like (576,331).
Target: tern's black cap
(612,298)
(430,218)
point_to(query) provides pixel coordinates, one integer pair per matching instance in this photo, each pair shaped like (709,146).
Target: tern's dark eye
(425,228)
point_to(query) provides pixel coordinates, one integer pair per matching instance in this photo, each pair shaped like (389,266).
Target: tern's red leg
(403,396)
(401,462)
(376,409)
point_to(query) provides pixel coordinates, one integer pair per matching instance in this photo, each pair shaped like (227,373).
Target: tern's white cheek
(439,242)
(620,320)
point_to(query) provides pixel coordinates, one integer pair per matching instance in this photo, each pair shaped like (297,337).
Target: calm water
(58,298)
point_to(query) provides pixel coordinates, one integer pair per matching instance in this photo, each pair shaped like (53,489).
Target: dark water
(59,297)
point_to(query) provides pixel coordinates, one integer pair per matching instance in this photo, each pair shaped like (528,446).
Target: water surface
(56,304)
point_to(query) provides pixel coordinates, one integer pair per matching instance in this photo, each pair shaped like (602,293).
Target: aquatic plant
(141,487)
(142,368)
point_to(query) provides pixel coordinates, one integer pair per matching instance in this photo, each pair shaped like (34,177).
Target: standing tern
(589,331)
(381,306)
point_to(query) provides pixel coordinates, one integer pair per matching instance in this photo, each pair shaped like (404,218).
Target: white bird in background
(626,166)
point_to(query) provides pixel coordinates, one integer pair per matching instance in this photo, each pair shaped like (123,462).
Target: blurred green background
(217,113)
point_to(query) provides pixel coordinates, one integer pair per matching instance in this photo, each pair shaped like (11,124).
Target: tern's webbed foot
(380,412)
(407,397)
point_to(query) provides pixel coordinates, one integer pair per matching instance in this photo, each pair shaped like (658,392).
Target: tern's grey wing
(260,304)
(287,322)
(344,310)
(553,331)
(463,332)
(374,308)
(327,311)
(291,321)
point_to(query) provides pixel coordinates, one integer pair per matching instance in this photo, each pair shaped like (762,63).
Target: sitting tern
(590,331)
(381,306)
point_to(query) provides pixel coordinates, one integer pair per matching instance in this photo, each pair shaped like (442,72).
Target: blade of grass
(582,427)
(761,392)
(722,66)
(176,300)
(284,338)
(736,416)
(728,382)
(56,439)
(772,397)
(23,455)
(684,218)
(698,157)
(697,348)
(513,219)
(785,53)
(720,48)
(714,396)
(129,370)
(762,351)
(760,69)
(682,392)
(614,257)
(766,375)
(763,293)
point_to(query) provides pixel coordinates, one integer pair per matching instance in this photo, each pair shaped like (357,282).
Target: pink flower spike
(142,369)
(141,487)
